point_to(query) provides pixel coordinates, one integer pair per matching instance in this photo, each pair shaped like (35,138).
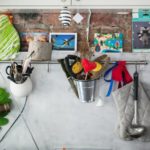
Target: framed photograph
(108,42)
(63,41)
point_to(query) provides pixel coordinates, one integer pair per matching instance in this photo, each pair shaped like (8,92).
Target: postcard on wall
(63,41)
(108,42)
(141,37)
(26,37)
(141,31)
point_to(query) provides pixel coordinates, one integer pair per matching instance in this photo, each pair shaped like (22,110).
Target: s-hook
(48,66)
(135,67)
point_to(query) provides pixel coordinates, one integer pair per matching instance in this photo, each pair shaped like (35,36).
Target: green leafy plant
(3,121)
(4,99)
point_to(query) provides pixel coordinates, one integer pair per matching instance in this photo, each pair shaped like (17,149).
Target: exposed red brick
(100,22)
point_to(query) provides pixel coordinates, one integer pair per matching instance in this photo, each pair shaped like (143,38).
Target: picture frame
(63,42)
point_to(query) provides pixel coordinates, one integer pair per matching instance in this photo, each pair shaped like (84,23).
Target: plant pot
(21,90)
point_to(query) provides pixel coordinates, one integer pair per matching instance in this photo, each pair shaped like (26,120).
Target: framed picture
(108,42)
(63,41)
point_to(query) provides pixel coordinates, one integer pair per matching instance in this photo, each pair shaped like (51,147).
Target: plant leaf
(5,101)
(4,96)
(3,121)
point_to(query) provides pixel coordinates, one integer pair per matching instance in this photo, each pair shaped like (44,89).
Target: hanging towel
(120,74)
(124,102)
(9,39)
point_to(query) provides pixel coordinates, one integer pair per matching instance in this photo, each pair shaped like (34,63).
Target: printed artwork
(63,41)
(108,42)
(26,37)
(141,36)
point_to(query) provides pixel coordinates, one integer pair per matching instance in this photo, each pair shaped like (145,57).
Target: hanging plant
(5,103)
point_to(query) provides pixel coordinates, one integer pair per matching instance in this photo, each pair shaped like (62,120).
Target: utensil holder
(86,90)
(22,89)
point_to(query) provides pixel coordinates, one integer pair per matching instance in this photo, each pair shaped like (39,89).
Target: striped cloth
(9,39)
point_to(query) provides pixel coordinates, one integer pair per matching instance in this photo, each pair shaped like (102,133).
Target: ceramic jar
(21,90)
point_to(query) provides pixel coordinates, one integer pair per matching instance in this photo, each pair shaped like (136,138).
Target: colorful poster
(108,42)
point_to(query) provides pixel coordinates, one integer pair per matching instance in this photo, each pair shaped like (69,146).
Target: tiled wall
(104,21)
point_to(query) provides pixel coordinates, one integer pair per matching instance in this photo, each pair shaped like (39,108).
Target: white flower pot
(21,90)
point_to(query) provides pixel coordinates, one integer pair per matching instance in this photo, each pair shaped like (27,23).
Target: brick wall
(105,21)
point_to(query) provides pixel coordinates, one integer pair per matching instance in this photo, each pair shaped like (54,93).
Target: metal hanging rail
(32,62)
(141,62)
(131,62)
(128,62)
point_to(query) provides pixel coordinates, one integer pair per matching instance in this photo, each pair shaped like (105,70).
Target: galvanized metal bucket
(86,90)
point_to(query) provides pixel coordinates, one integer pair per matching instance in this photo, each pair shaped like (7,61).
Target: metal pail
(86,90)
